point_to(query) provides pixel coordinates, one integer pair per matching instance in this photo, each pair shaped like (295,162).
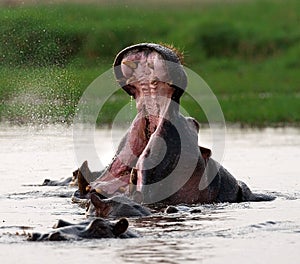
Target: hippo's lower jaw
(95,228)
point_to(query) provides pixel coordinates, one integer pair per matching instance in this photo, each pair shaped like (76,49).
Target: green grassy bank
(247,51)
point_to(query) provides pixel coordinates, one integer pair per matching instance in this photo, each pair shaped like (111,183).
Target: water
(267,232)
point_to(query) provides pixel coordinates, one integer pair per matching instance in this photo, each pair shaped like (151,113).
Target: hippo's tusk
(98,190)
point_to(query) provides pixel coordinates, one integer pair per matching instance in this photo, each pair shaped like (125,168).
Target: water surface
(267,232)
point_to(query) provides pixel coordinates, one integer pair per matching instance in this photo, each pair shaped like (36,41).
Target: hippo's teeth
(130,64)
(131,80)
(150,65)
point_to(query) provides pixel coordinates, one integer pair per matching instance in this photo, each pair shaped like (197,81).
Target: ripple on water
(218,230)
(167,251)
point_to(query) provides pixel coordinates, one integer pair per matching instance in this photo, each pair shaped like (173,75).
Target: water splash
(41,96)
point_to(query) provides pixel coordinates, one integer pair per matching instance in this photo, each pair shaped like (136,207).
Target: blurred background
(248,51)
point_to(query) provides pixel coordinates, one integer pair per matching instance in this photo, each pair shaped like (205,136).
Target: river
(265,232)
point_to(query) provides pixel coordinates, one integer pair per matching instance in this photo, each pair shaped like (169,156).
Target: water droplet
(131,108)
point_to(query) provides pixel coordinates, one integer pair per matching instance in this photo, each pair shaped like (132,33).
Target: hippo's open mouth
(154,76)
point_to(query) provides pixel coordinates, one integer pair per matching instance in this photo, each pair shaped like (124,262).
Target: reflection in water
(165,251)
(233,233)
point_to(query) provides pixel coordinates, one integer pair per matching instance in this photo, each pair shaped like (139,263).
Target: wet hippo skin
(159,156)
(115,207)
(91,229)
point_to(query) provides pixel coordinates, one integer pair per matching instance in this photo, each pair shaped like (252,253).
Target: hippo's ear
(61,223)
(120,227)
(103,209)
(75,172)
(96,201)
(82,177)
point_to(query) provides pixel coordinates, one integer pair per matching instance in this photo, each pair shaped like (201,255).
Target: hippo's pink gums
(159,156)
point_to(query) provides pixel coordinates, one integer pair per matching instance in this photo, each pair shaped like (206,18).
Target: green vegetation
(247,51)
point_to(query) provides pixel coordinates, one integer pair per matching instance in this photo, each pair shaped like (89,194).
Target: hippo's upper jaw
(150,62)
(95,228)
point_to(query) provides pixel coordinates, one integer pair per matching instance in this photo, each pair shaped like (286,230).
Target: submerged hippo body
(95,228)
(159,156)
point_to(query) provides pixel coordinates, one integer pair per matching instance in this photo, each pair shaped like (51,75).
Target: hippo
(73,180)
(115,207)
(171,209)
(65,182)
(159,158)
(93,228)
